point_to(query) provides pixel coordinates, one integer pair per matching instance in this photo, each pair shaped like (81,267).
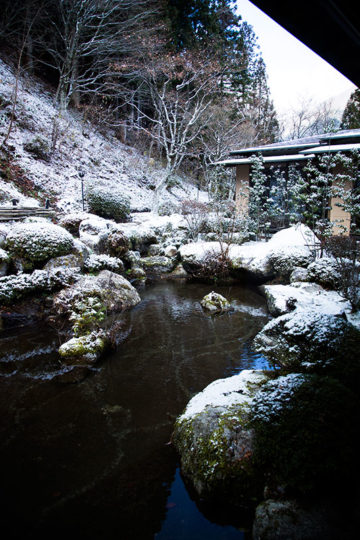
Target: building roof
(331,28)
(297,149)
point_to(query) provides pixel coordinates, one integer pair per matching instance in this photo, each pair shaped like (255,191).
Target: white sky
(295,72)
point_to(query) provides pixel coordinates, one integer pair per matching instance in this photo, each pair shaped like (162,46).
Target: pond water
(93,458)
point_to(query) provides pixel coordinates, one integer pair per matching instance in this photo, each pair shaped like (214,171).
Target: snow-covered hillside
(104,159)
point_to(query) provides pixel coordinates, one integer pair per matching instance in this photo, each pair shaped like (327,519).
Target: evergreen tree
(351,114)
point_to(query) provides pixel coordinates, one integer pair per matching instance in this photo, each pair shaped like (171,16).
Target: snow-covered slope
(104,159)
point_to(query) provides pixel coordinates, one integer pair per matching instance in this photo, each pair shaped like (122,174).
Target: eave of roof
(266,159)
(333,148)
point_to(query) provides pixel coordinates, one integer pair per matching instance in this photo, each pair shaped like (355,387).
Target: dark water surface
(91,459)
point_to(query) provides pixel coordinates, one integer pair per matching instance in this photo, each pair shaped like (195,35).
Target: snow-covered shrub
(38,242)
(39,148)
(324,271)
(196,215)
(95,263)
(285,261)
(305,340)
(108,203)
(168,208)
(15,287)
(305,432)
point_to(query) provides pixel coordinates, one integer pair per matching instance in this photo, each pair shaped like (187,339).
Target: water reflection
(93,457)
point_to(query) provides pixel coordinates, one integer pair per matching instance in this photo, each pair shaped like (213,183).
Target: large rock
(282,299)
(113,291)
(305,339)
(158,264)
(260,261)
(214,439)
(94,232)
(71,222)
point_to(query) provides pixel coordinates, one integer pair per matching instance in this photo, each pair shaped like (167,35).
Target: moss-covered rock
(108,203)
(214,440)
(158,264)
(215,303)
(36,243)
(84,349)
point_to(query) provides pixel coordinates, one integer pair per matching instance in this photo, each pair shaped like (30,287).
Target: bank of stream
(93,458)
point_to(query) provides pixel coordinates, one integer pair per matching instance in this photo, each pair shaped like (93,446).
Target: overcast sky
(295,72)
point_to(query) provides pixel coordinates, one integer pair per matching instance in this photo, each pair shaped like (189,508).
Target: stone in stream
(215,303)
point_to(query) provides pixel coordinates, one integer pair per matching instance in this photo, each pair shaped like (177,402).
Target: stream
(93,459)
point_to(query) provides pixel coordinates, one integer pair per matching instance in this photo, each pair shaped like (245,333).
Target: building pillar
(242,189)
(337,215)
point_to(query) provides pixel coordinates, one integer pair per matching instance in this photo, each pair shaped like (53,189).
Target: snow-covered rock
(214,439)
(93,232)
(4,260)
(66,261)
(306,339)
(215,303)
(158,264)
(325,272)
(15,287)
(282,299)
(95,263)
(71,222)
(171,251)
(36,243)
(285,250)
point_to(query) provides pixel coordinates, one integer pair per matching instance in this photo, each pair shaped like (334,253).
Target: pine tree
(351,114)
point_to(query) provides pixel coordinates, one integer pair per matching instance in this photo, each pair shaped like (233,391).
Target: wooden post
(242,189)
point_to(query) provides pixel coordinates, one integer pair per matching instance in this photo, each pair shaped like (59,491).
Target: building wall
(337,214)
(242,189)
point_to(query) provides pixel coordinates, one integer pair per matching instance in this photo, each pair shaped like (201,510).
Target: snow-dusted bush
(285,261)
(108,203)
(95,263)
(15,287)
(38,242)
(325,272)
(39,148)
(305,431)
(168,208)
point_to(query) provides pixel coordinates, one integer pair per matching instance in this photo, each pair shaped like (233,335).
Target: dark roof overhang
(331,28)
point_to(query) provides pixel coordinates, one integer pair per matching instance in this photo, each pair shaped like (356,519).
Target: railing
(15,213)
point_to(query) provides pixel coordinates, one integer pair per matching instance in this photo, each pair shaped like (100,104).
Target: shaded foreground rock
(287,520)
(215,442)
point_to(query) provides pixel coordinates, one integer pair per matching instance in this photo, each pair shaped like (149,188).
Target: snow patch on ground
(104,160)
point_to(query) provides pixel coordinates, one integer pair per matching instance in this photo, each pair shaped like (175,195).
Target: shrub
(108,203)
(39,148)
(38,242)
(195,214)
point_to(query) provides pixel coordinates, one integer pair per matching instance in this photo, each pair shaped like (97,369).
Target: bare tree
(309,118)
